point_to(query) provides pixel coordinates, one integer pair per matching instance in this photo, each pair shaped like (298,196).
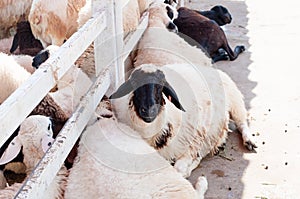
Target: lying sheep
(34,138)
(52,22)
(161,46)
(123,166)
(25,40)
(182,110)
(219,14)
(12,11)
(205,33)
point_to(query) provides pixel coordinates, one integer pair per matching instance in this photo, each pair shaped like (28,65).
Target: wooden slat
(43,175)
(16,107)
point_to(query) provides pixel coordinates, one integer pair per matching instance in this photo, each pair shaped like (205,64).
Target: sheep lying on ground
(205,33)
(25,40)
(12,11)
(34,138)
(125,166)
(52,22)
(182,110)
(218,13)
(159,46)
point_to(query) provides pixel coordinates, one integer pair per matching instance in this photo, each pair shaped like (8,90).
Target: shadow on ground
(224,171)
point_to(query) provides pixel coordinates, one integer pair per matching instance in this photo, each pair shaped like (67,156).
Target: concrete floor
(267,73)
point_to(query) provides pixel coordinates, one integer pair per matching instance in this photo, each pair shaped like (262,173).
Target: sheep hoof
(250,145)
(201,186)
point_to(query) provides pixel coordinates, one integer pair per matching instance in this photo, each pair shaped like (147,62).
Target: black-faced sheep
(34,138)
(125,166)
(218,13)
(24,39)
(182,110)
(205,33)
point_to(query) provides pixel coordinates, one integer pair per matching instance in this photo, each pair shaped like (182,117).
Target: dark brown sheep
(24,39)
(206,34)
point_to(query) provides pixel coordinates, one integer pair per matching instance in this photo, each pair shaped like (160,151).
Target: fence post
(108,45)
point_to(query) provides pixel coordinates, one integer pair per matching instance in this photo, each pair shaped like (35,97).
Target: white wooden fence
(105,25)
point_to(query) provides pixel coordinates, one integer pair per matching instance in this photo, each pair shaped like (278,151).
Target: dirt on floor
(267,75)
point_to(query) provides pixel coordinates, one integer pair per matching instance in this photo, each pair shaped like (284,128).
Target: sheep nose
(172,27)
(149,114)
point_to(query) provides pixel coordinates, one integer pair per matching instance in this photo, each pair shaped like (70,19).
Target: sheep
(52,22)
(181,110)
(25,40)
(161,46)
(34,138)
(205,33)
(125,166)
(218,13)
(12,11)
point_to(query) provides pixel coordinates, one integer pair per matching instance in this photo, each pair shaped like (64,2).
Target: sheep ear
(15,43)
(47,141)
(123,90)
(172,96)
(11,152)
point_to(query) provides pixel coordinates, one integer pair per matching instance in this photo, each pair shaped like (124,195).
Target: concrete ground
(267,73)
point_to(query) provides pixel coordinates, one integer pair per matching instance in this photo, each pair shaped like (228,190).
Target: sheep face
(35,136)
(222,16)
(43,55)
(162,14)
(148,85)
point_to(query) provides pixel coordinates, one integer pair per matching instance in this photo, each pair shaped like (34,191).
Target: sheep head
(148,85)
(35,136)
(162,15)
(222,15)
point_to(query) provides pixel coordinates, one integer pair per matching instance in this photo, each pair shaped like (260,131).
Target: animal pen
(111,49)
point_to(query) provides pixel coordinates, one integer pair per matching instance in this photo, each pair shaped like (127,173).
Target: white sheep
(182,110)
(123,166)
(34,138)
(12,11)
(52,22)
(160,46)
(12,75)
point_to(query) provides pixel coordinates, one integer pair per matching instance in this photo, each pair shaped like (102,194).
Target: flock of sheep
(153,131)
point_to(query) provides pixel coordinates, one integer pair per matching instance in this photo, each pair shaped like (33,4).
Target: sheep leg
(201,186)
(219,55)
(186,165)
(238,113)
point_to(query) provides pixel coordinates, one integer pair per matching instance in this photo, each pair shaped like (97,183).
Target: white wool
(12,75)
(71,88)
(125,166)
(53,21)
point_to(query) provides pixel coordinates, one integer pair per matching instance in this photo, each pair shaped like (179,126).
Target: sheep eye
(49,143)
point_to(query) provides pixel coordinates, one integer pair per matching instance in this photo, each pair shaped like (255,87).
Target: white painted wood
(15,109)
(105,47)
(43,174)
